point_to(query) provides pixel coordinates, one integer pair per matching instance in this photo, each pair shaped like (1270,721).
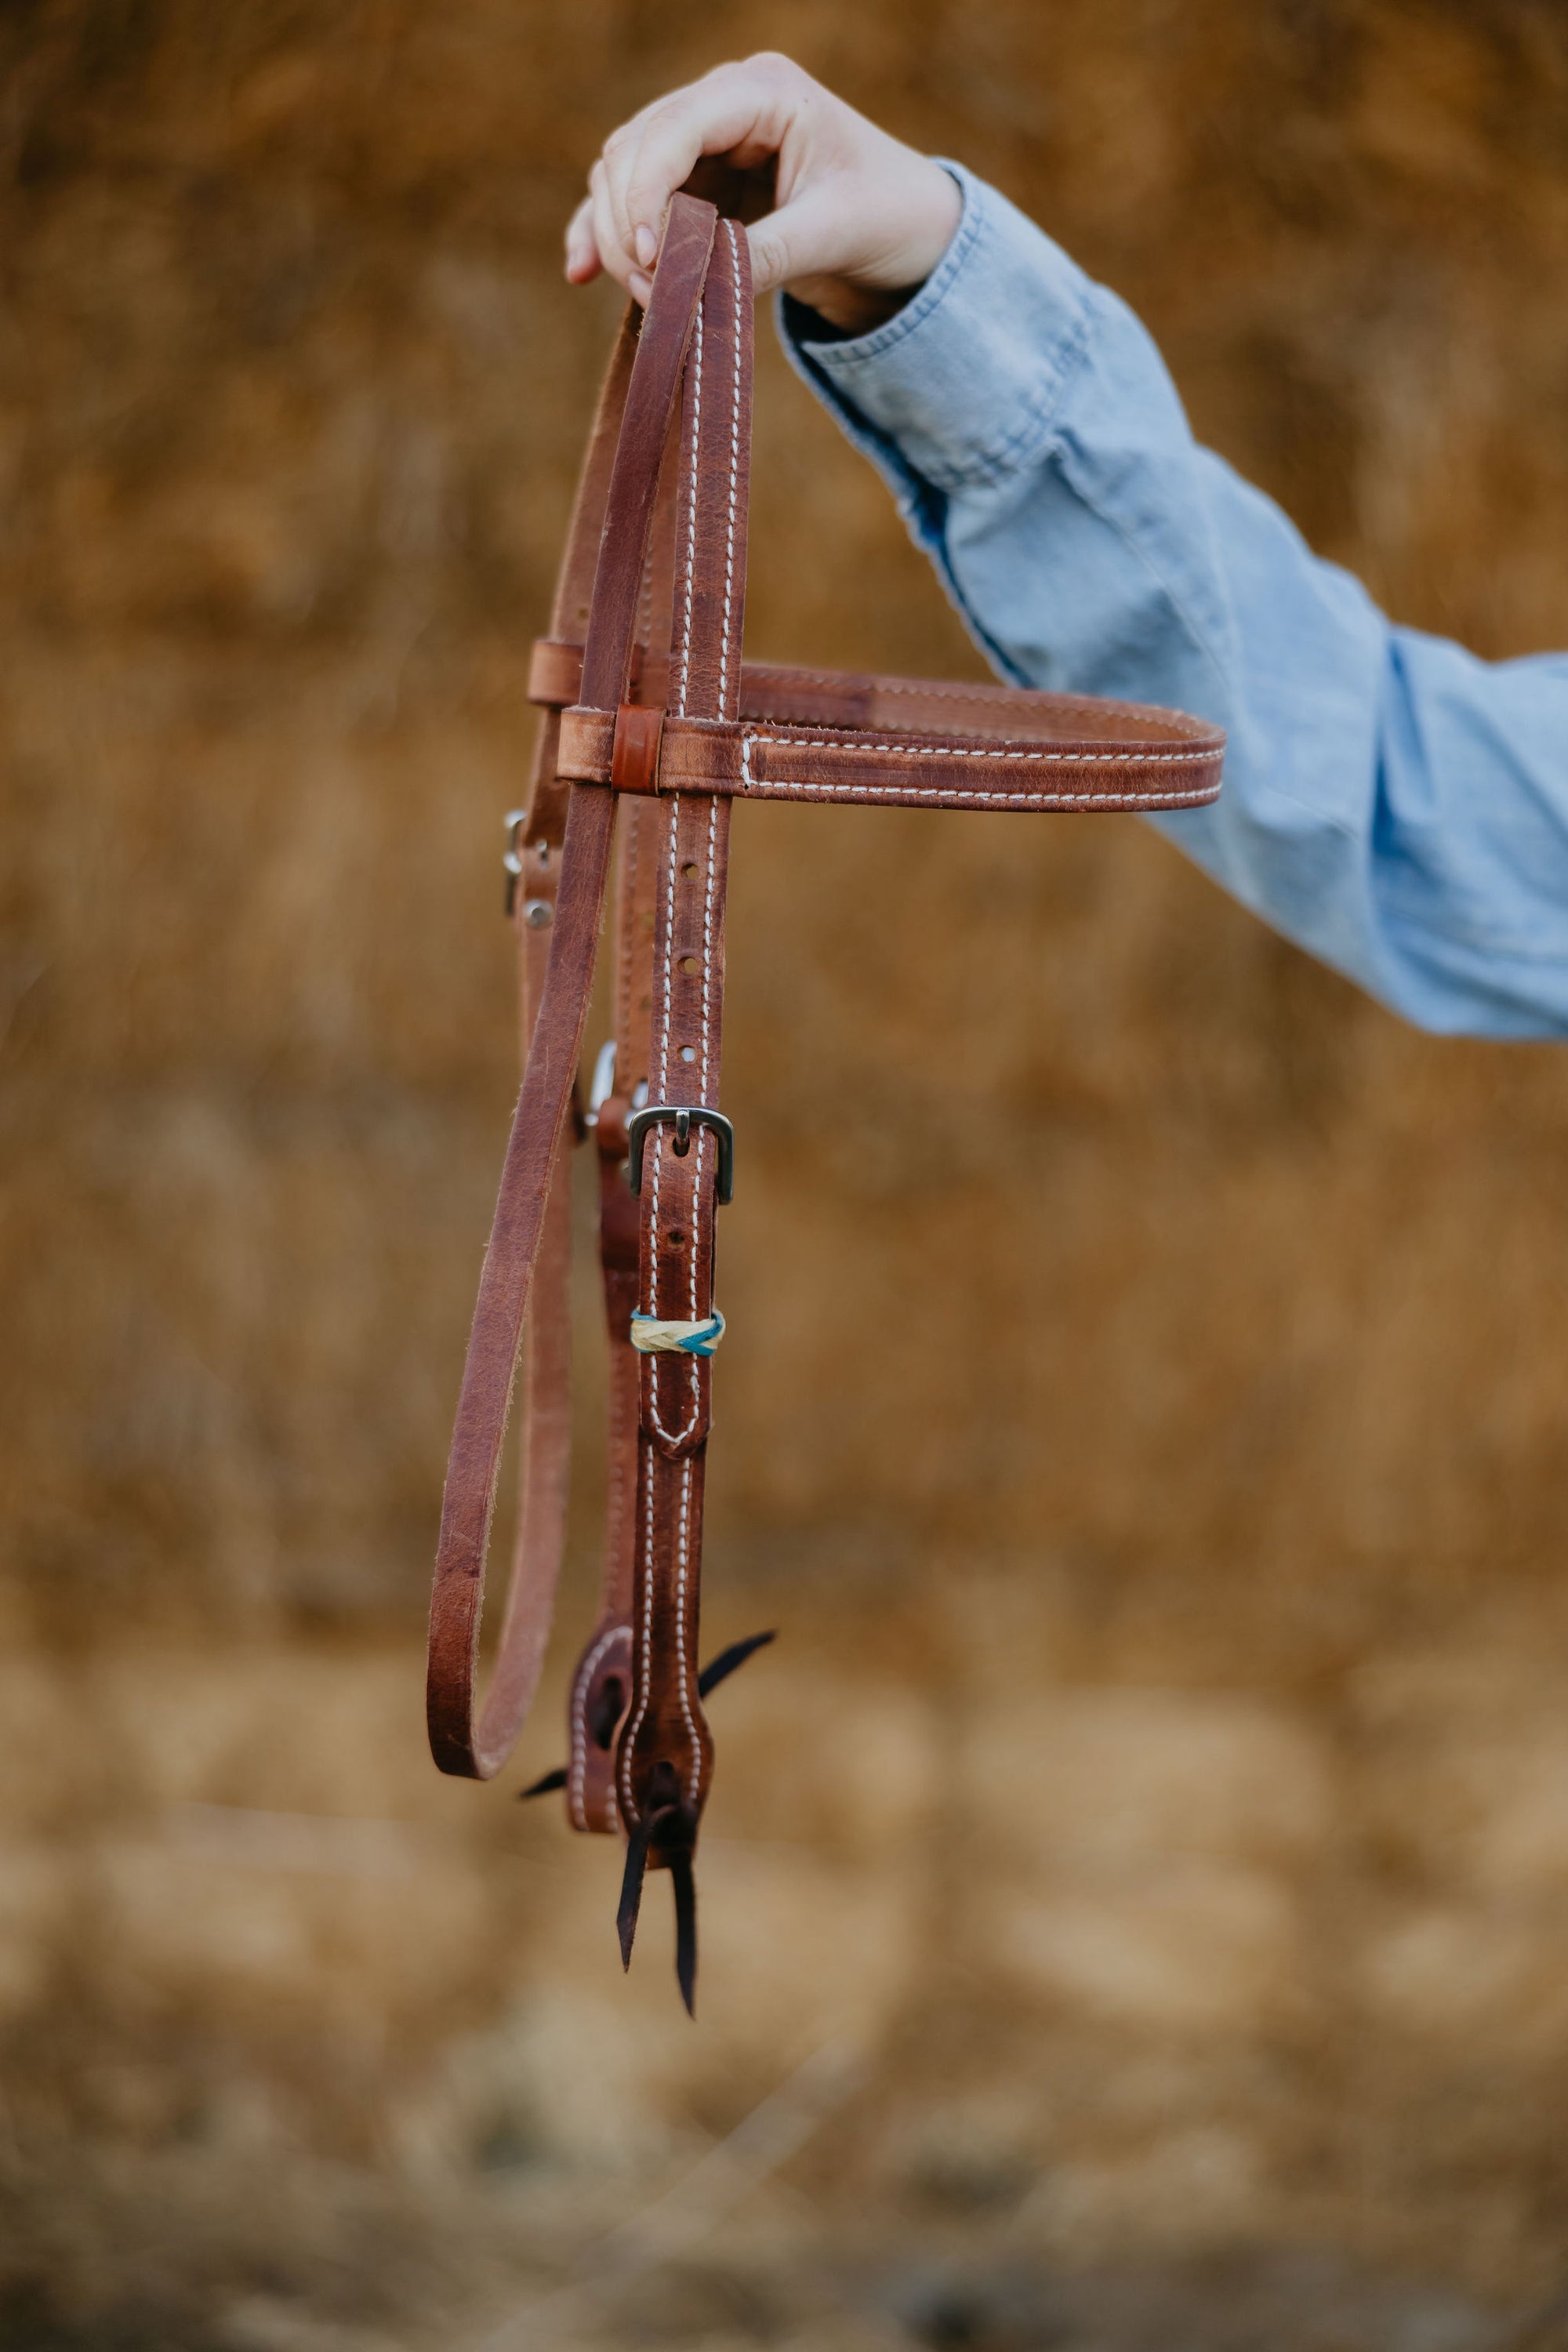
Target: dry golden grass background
(1143,1414)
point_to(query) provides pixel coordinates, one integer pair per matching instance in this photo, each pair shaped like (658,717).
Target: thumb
(804,239)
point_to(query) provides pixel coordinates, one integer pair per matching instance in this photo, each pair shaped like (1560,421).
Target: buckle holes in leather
(690,964)
(678,1241)
(689,872)
(688,1053)
(609,1705)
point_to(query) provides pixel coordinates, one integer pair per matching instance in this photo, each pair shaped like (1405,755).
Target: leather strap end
(634,759)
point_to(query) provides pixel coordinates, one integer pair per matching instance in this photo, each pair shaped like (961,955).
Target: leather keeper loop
(554,673)
(634,760)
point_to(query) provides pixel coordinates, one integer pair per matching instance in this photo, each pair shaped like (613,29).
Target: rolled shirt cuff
(963,386)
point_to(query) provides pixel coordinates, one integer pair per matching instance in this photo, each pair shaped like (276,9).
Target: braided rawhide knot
(654,1336)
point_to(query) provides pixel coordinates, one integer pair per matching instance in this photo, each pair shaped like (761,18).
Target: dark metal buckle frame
(683,1118)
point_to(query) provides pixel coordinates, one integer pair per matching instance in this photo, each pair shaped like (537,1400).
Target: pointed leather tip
(685,1886)
(631,1890)
(719,1670)
(627,1929)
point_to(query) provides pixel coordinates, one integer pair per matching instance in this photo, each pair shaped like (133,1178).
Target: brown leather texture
(652,726)
(652,386)
(910,768)
(1136,754)
(633,751)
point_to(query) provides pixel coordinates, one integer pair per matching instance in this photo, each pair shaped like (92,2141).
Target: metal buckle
(537,913)
(512,861)
(604,1082)
(683,1119)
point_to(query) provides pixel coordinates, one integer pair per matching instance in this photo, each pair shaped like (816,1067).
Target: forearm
(1391,803)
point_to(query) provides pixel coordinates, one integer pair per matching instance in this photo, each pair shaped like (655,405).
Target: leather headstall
(653,725)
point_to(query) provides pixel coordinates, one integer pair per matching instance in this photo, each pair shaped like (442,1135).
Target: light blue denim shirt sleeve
(1391,802)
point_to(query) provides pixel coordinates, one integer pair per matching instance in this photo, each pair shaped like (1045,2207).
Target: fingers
(855,208)
(621,249)
(582,251)
(743,112)
(600,234)
(606,243)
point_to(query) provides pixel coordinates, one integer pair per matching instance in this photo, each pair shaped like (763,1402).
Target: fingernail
(641,285)
(648,245)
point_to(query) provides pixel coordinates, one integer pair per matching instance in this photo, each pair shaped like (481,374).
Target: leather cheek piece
(634,757)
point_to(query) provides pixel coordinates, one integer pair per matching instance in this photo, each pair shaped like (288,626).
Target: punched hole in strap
(634,757)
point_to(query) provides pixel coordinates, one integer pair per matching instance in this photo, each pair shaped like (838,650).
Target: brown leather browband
(653,725)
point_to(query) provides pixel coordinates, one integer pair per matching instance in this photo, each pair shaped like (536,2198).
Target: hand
(849,219)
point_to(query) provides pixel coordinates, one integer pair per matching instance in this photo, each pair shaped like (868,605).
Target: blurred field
(1149,1831)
